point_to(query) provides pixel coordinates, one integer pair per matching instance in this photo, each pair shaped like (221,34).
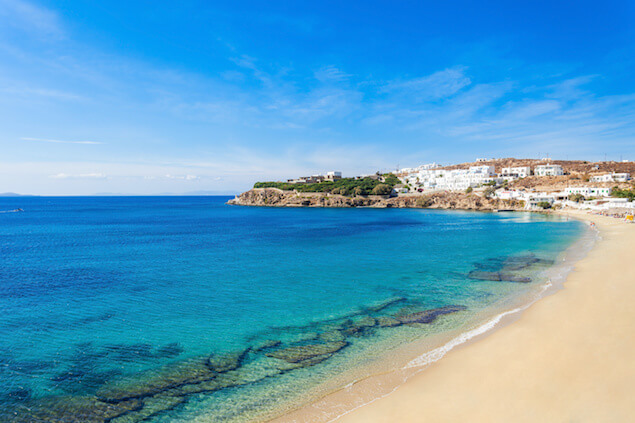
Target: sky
(149,97)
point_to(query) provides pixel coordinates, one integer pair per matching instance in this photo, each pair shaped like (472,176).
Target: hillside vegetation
(344,186)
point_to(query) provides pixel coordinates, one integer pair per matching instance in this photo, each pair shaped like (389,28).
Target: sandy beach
(570,357)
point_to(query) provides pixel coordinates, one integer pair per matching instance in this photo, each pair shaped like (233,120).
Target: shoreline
(403,402)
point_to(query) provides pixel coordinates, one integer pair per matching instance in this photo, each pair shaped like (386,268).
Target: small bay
(165,309)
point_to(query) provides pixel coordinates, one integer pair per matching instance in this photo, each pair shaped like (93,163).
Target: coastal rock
(274,197)
(300,353)
(357,327)
(429,316)
(221,363)
(385,304)
(387,322)
(266,345)
(497,277)
(332,336)
(151,407)
(157,381)
(70,409)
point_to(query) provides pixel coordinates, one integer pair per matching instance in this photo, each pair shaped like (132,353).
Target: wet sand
(570,357)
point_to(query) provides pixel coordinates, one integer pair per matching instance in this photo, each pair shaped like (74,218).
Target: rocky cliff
(272,197)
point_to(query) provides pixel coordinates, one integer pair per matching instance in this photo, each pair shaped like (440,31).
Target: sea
(186,309)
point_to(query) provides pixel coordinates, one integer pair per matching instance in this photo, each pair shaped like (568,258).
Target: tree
(359,191)
(382,189)
(544,205)
(468,190)
(489,192)
(576,197)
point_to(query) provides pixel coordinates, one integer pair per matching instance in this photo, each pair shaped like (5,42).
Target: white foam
(430,357)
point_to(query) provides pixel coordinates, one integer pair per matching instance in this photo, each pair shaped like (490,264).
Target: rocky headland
(274,197)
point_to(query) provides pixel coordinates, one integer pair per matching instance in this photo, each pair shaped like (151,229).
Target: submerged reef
(505,269)
(106,396)
(138,397)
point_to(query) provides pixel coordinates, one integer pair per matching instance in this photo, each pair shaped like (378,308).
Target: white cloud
(79,176)
(183,177)
(331,73)
(59,141)
(30,18)
(441,84)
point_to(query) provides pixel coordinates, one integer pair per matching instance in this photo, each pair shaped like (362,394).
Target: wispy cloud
(60,141)
(438,85)
(79,176)
(183,177)
(331,73)
(30,18)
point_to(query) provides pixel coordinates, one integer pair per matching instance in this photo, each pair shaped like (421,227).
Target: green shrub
(544,205)
(489,192)
(382,189)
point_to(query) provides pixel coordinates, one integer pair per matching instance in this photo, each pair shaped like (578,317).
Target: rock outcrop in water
(504,269)
(273,197)
(429,316)
(138,397)
(306,352)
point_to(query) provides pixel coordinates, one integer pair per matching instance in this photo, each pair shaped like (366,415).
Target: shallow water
(108,302)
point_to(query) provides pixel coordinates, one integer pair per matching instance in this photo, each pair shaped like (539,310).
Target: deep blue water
(98,290)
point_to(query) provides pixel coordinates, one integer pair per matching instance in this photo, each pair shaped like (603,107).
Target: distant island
(485,184)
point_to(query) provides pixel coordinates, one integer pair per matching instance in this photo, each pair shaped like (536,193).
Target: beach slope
(570,357)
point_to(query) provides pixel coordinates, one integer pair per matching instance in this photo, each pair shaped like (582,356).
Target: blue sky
(155,96)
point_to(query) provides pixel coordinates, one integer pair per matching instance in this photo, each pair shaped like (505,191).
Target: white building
(451,180)
(588,191)
(548,170)
(511,194)
(516,172)
(533,199)
(611,177)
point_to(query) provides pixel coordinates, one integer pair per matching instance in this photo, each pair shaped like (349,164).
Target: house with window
(548,170)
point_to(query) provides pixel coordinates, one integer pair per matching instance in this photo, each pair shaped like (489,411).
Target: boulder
(153,382)
(300,353)
(221,363)
(266,345)
(429,316)
(70,409)
(387,322)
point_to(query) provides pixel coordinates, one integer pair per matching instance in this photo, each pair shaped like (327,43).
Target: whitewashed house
(588,191)
(515,172)
(611,177)
(548,170)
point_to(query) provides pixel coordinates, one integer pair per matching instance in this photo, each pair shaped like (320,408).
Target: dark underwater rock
(387,322)
(157,381)
(300,353)
(171,350)
(497,277)
(429,316)
(266,345)
(359,326)
(151,407)
(71,409)
(332,336)
(221,363)
(385,304)
(128,352)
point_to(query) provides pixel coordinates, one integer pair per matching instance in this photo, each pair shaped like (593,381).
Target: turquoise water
(111,307)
